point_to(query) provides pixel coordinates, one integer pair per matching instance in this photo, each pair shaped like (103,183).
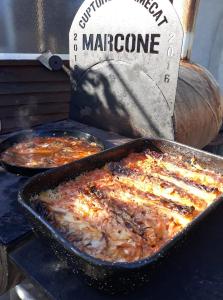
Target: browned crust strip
(118,170)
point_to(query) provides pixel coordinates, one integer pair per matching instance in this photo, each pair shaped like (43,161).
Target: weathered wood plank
(38,98)
(24,63)
(31,95)
(23,111)
(30,74)
(34,87)
(12,124)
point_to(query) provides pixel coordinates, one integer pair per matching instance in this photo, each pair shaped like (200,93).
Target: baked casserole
(128,210)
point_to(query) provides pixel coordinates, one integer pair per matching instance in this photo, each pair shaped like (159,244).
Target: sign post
(125,55)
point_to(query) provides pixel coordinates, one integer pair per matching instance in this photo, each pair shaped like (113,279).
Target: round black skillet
(23,135)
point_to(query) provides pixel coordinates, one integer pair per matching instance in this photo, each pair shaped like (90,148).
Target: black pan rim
(119,265)
(17,169)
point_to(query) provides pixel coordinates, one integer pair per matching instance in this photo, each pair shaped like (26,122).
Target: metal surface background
(32,26)
(198,107)
(187,11)
(127,16)
(127,91)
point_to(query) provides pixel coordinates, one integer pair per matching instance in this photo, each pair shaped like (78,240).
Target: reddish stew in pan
(48,152)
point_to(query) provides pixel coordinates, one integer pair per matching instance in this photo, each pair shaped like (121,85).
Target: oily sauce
(48,152)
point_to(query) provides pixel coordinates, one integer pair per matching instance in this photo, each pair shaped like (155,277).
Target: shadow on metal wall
(95,104)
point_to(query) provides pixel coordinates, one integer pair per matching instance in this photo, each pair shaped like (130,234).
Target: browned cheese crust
(128,210)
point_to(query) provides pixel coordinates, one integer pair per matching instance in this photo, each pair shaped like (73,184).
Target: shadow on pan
(26,134)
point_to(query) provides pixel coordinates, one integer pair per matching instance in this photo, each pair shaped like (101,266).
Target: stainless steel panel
(125,85)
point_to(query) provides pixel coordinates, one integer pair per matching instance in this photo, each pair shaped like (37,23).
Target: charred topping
(203,187)
(118,170)
(206,188)
(120,212)
(181,209)
(167,203)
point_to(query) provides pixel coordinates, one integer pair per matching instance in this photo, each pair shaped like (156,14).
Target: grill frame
(110,277)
